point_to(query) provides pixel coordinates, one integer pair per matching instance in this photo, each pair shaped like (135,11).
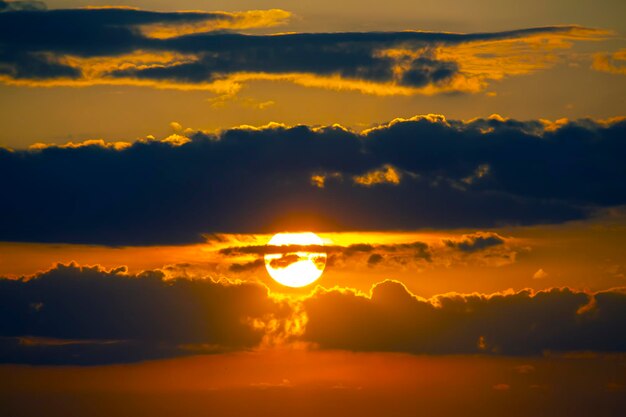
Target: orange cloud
(162,55)
(119,145)
(385,175)
(613,63)
(485,61)
(250,19)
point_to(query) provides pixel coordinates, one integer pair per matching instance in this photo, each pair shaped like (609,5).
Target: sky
(461,167)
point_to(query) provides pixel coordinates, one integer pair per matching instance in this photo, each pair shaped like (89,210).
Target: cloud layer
(522,323)
(91,315)
(450,174)
(82,315)
(199,50)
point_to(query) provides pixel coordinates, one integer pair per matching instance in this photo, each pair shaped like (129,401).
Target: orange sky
(461,162)
(586,255)
(312,383)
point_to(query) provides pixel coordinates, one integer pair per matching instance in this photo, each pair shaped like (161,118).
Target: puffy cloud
(522,323)
(374,259)
(384,175)
(255,180)
(86,315)
(192,50)
(613,63)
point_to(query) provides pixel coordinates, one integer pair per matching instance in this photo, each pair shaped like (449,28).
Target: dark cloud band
(522,323)
(74,315)
(90,315)
(447,174)
(39,46)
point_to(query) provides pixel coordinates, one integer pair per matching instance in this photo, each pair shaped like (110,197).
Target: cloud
(89,315)
(525,369)
(384,175)
(250,257)
(522,323)
(374,259)
(199,50)
(475,242)
(247,266)
(479,248)
(285,260)
(540,274)
(257,180)
(400,253)
(275,249)
(9,6)
(613,63)
(40,44)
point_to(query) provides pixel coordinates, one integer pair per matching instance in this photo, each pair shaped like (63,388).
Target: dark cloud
(9,6)
(247,266)
(74,315)
(26,350)
(287,249)
(89,315)
(475,242)
(394,254)
(418,250)
(350,55)
(511,324)
(285,260)
(251,181)
(400,253)
(275,249)
(29,33)
(34,66)
(374,259)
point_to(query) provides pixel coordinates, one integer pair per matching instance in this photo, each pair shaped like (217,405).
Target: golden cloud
(385,175)
(467,66)
(613,63)
(250,19)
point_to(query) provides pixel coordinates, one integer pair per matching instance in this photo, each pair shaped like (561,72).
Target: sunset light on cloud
(279,208)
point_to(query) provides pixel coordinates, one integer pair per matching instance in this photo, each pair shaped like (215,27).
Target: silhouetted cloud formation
(87,315)
(520,323)
(37,42)
(195,50)
(247,266)
(476,242)
(401,253)
(73,314)
(259,180)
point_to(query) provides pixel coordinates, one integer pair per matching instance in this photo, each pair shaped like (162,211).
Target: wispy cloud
(199,50)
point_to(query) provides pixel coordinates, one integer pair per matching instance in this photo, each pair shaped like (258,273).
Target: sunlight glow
(295,269)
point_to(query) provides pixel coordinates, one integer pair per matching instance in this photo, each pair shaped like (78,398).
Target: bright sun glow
(299,268)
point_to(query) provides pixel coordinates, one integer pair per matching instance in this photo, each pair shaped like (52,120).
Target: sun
(293,266)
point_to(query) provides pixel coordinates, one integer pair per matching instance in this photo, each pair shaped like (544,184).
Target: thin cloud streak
(199,50)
